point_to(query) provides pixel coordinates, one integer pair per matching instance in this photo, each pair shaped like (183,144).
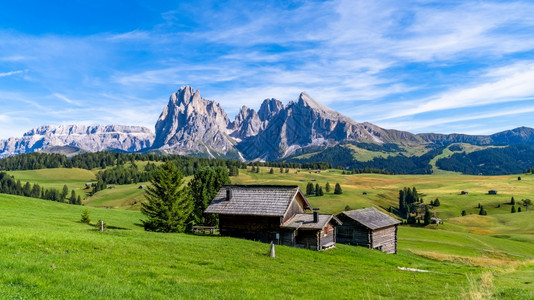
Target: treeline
(8,185)
(293,165)
(529,171)
(188,165)
(343,157)
(367,171)
(89,161)
(492,161)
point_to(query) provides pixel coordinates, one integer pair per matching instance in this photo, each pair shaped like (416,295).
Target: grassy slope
(45,253)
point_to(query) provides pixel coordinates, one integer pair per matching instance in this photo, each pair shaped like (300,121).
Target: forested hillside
(493,161)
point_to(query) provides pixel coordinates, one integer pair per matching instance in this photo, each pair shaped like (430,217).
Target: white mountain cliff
(86,138)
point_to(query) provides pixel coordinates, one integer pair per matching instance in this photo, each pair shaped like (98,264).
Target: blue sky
(421,66)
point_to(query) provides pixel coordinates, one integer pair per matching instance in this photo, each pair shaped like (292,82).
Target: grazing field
(128,196)
(47,253)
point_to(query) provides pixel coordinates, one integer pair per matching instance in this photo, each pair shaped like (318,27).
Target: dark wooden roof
(371,218)
(305,221)
(258,200)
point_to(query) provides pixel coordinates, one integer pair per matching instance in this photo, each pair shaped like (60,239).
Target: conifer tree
(64,193)
(512,201)
(512,210)
(168,204)
(519,209)
(320,193)
(464,213)
(85,217)
(327,187)
(271,171)
(317,189)
(309,189)
(436,202)
(72,199)
(203,188)
(337,189)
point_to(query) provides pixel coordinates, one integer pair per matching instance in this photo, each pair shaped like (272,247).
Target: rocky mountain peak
(247,123)
(192,124)
(269,108)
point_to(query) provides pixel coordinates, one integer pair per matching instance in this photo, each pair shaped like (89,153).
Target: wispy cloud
(383,61)
(508,84)
(11,73)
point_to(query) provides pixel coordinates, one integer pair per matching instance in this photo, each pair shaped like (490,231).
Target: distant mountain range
(302,130)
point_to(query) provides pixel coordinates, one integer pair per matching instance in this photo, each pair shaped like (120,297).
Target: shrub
(85,217)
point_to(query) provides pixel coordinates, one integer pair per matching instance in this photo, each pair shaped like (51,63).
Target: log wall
(385,239)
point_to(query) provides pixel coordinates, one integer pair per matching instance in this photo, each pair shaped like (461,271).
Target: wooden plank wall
(385,239)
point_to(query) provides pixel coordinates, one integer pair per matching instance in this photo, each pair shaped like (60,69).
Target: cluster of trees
(8,185)
(524,202)
(173,207)
(435,202)
(529,171)
(317,190)
(407,197)
(491,161)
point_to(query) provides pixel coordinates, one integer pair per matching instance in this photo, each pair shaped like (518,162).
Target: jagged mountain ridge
(277,131)
(87,138)
(192,125)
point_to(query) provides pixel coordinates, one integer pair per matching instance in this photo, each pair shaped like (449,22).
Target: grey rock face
(247,123)
(306,123)
(192,124)
(269,108)
(88,138)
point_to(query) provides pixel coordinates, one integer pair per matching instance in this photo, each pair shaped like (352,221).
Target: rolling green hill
(47,254)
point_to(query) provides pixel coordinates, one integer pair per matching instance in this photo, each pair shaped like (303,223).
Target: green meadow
(47,253)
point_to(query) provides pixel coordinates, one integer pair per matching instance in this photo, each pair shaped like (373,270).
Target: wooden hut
(464,192)
(492,192)
(272,213)
(368,227)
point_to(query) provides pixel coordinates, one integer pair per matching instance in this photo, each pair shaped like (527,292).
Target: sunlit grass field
(46,253)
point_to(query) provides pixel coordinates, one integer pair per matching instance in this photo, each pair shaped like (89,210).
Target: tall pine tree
(168,204)
(203,188)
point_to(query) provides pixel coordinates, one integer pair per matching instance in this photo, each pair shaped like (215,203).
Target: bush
(85,217)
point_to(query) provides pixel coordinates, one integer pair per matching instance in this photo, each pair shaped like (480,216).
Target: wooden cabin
(368,227)
(272,213)
(492,192)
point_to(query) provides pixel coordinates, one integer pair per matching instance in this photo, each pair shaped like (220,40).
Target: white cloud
(11,73)
(513,84)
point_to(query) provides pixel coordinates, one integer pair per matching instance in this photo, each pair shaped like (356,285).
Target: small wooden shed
(492,192)
(368,227)
(464,193)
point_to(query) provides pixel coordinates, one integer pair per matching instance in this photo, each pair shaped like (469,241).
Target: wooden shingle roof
(305,221)
(371,218)
(258,200)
